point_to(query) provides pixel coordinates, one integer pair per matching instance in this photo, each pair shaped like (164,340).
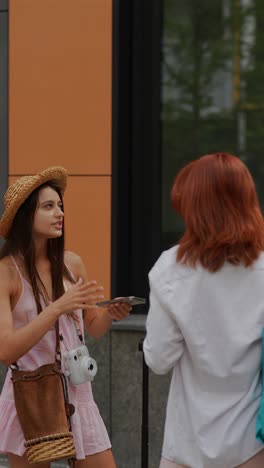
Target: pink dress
(89,432)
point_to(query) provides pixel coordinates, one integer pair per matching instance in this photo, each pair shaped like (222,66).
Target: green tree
(213,86)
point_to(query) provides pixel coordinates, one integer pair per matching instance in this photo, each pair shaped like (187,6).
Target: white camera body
(79,366)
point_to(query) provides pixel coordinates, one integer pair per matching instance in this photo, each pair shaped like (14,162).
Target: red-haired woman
(206,318)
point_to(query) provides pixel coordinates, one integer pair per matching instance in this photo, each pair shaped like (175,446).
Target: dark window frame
(136,145)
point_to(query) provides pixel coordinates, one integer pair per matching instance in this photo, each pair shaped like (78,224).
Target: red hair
(217,199)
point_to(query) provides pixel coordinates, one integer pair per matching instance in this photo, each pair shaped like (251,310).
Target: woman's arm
(163,345)
(16,343)
(97,320)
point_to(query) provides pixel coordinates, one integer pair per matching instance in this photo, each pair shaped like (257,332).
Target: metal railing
(144,422)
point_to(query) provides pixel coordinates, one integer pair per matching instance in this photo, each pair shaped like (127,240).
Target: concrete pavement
(4,463)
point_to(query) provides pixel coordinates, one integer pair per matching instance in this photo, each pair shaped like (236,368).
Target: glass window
(212,89)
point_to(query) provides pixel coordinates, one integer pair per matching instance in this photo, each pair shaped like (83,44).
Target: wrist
(108,315)
(56,310)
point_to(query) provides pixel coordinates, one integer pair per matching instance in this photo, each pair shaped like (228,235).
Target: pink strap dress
(89,432)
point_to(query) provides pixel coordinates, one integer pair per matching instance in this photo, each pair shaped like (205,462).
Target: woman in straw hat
(41,283)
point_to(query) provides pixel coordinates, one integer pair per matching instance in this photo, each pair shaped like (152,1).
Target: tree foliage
(213,86)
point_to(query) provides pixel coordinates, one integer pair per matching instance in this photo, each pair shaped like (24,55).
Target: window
(212,89)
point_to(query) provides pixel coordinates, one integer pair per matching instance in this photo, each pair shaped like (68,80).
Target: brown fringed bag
(41,399)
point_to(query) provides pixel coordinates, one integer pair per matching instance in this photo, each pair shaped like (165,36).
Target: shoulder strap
(70,273)
(16,266)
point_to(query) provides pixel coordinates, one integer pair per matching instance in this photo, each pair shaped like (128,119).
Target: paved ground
(4,463)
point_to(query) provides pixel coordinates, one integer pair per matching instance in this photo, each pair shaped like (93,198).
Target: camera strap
(74,318)
(78,329)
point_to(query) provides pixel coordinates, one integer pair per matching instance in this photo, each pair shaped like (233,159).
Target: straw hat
(18,192)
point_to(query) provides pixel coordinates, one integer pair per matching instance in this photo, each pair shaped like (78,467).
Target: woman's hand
(119,310)
(82,295)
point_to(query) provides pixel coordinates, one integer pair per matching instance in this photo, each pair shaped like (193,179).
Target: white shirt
(207,327)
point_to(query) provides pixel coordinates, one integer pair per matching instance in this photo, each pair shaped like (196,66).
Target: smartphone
(132,300)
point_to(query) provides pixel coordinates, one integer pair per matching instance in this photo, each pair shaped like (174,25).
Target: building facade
(69,96)
(123,94)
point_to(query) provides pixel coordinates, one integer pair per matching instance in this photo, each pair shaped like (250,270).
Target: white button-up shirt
(207,327)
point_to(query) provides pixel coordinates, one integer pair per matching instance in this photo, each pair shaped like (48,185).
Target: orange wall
(60,79)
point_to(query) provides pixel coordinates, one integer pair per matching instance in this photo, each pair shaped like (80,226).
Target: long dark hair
(20,242)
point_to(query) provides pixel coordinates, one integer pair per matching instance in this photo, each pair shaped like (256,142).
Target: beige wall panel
(88,224)
(60,63)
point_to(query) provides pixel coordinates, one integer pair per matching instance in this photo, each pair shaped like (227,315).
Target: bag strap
(57,349)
